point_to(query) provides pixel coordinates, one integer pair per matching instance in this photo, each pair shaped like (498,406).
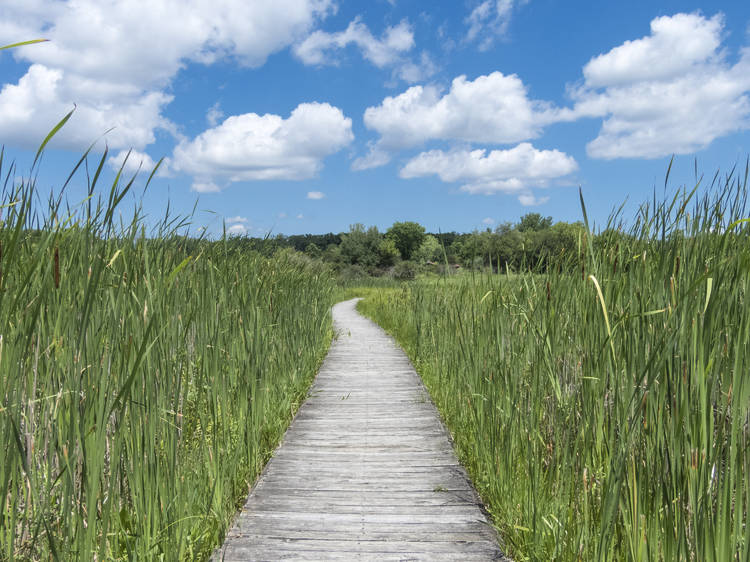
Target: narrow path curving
(366,470)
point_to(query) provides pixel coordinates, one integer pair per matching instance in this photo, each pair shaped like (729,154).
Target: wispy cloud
(237,219)
(490,20)
(388,51)
(214,114)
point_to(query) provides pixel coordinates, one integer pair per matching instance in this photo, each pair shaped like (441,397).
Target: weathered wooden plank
(327,504)
(373,547)
(411,533)
(389,534)
(315,495)
(333,469)
(326,464)
(416,516)
(365,455)
(260,553)
(366,470)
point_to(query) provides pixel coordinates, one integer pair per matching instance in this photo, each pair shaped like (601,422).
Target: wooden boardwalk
(366,470)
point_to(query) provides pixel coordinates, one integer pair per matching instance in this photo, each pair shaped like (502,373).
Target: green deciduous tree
(534,222)
(429,250)
(407,236)
(360,245)
(388,254)
(313,251)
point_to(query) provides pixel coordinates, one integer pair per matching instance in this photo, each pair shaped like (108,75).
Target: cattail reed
(651,409)
(57,267)
(132,418)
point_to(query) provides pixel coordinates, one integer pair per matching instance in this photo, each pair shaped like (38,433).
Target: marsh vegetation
(145,374)
(602,405)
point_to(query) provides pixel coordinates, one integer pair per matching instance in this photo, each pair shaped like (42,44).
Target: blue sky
(309,115)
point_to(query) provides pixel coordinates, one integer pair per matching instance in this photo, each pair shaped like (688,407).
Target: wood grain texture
(366,470)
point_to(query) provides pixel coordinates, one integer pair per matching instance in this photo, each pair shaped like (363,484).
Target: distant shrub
(352,273)
(405,270)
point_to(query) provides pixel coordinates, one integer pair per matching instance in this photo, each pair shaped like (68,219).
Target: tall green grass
(145,377)
(603,407)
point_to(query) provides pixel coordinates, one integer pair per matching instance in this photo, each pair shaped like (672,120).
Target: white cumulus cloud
(494,108)
(265,147)
(315,195)
(675,45)
(236,226)
(33,106)
(513,171)
(114,60)
(237,229)
(671,92)
(133,161)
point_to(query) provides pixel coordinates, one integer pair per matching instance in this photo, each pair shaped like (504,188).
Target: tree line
(406,247)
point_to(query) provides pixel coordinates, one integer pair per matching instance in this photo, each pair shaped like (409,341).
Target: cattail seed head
(57,267)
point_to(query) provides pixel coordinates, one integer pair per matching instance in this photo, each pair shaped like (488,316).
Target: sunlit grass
(603,407)
(145,376)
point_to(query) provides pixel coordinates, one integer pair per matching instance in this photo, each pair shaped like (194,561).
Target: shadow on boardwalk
(366,471)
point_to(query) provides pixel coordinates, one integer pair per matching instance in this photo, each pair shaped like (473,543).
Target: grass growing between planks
(144,380)
(602,407)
